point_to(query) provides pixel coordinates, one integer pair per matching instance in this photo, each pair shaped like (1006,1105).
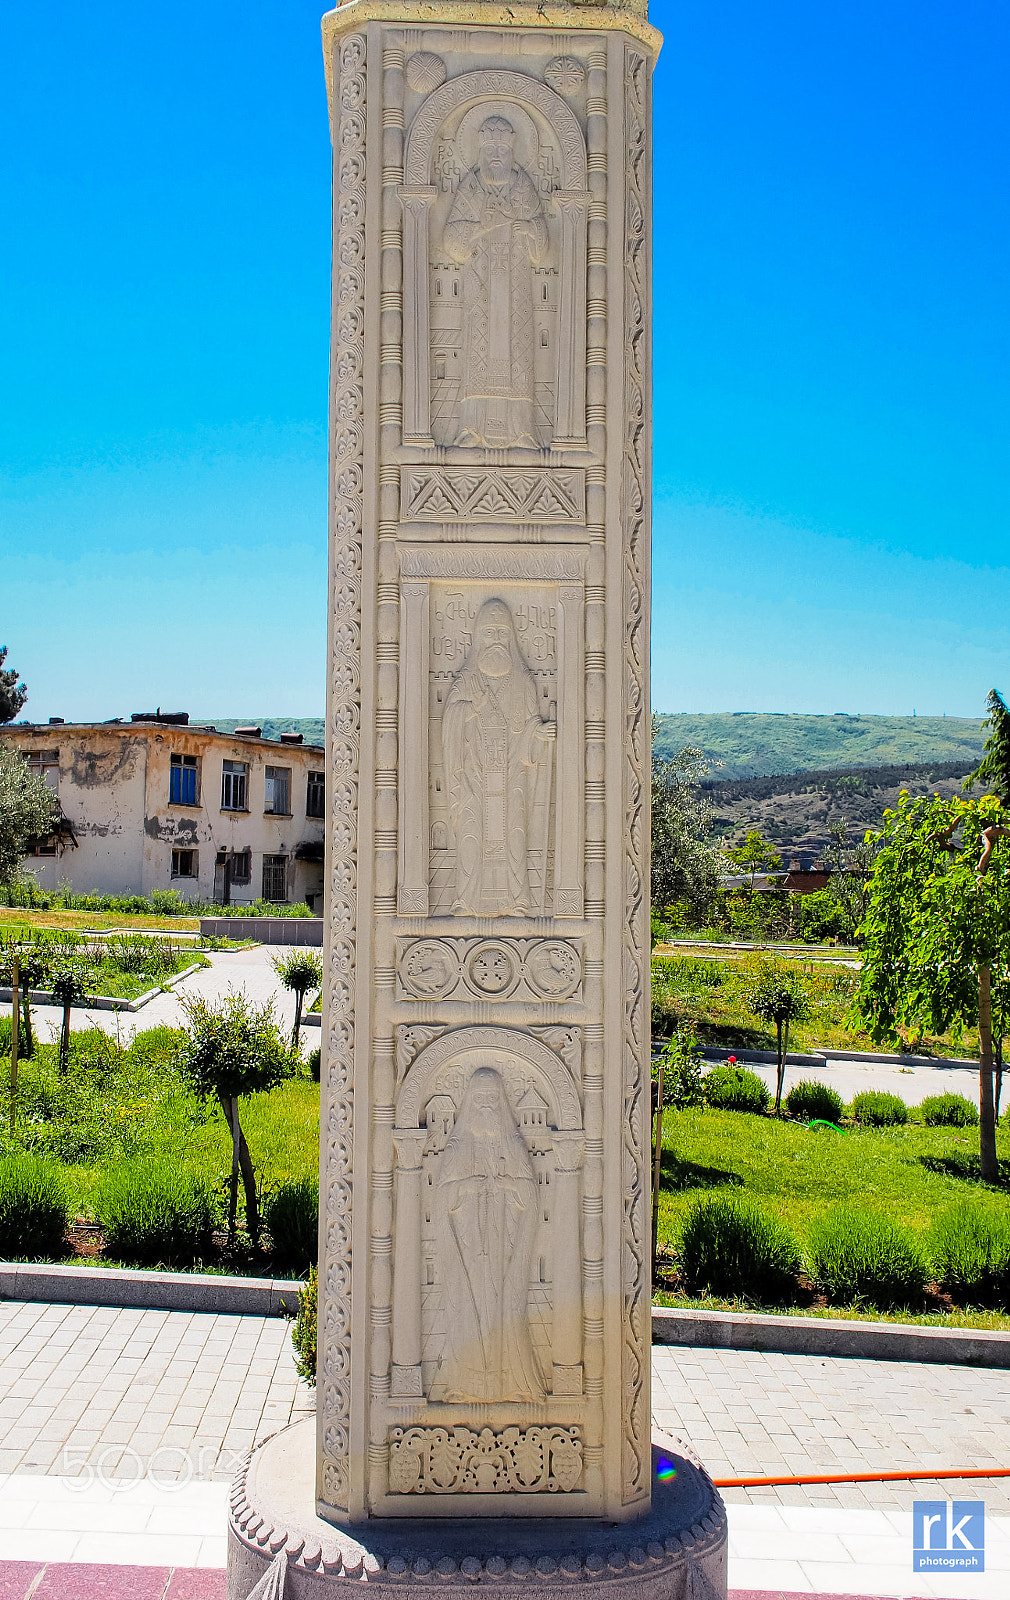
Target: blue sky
(832,472)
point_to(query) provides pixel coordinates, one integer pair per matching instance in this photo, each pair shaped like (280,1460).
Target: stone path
(251,970)
(911,1084)
(119,1431)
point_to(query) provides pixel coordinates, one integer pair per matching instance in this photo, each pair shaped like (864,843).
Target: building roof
(170,721)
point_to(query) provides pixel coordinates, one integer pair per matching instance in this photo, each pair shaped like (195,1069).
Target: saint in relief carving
(497,231)
(486,1209)
(497,754)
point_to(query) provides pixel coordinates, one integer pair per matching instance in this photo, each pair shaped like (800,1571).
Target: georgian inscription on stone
(493,735)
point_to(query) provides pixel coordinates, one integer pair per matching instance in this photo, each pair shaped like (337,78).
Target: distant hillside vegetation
(757,744)
(311,728)
(795,813)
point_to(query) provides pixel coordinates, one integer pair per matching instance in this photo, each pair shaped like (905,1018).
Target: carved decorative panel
(462,1461)
(493,495)
(501,969)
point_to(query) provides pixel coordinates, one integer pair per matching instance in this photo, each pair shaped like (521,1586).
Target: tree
(230,1049)
(28,810)
(12,693)
(755,856)
(777,995)
(685,866)
(301,971)
(849,869)
(68,986)
(937,931)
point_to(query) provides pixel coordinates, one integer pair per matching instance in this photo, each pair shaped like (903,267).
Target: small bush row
(151,1216)
(731,1087)
(731,1247)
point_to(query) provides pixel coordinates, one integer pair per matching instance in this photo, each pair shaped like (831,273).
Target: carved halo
(511,88)
(527,145)
(566,1110)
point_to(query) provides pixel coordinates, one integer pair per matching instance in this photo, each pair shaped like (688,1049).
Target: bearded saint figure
(497,230)
(486,1211)
(497,754)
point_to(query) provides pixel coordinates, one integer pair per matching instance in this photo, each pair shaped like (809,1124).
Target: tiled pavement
(120,1430)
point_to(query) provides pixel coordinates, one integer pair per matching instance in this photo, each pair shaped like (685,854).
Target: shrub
(810,1099)
(948,1111)
(732,1088)
(155,1215)
(730,1247)
(861,1256)
(315,1064)
(303,1334)
(680,1065)
(292,1218)
(970,1247)
(879,1110)
(33,1209)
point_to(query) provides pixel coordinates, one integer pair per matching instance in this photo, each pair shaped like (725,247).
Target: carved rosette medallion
(429,969)
(565,74)
(492,969)
(553,968)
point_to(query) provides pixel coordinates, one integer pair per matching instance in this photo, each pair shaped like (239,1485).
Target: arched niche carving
(563,1099)
(569,205)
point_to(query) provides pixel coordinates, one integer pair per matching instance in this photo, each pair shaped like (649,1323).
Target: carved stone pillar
(569,1149)
(416,402)
(406,1378)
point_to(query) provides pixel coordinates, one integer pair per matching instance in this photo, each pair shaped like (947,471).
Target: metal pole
(657,1165)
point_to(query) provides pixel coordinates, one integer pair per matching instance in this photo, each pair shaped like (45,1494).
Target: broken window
(234,784)
(315,795)
(275,877)
(182,782)
(185,864)
(47,764)
(278,791)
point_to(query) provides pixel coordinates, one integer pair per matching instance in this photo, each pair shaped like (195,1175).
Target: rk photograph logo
(948,1536)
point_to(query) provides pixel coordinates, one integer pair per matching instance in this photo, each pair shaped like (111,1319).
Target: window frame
(274,863)
(271,775)
(177,859)
(315,784)
(185,766)
(246,857)
(231,772)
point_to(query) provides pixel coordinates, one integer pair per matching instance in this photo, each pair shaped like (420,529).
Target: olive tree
(685,866)
(230,1049)
(28,810)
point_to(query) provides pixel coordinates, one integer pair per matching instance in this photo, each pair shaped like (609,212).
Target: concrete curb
(147,1291)
(826,1336)
(106,1002)
(265,930)
(823,1058)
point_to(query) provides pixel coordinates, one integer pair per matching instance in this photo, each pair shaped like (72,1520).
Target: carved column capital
(569,1149)
(409,1146)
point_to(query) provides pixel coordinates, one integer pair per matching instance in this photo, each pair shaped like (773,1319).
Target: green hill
(758,744)
(311,728)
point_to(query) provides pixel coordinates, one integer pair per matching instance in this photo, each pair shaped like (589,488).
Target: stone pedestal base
(677,1552)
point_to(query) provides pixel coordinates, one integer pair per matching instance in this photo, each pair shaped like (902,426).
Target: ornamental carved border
(483,84)
(636,1444)
(343,737)
(465,1461)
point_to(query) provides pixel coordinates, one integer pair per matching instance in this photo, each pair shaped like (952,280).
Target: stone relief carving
(538,969)
(499,494)
(497,757)
(495,213)
(465,1461)
(565,74)
(485,1225)
(425,71)
(497,231)
(489,562)
(637,1352)
(344,755)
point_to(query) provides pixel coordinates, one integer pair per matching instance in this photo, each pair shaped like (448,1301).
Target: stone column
(569,1149)
(406,1379)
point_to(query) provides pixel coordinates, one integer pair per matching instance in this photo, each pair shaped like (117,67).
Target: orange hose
(863,1477)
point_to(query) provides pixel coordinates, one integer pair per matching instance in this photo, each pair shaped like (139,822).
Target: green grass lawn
(908,1173)
(120,1105)
(21,923)
(707,990)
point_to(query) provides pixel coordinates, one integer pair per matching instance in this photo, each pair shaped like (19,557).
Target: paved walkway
(251,970)
(911,1084)
(119,1431)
